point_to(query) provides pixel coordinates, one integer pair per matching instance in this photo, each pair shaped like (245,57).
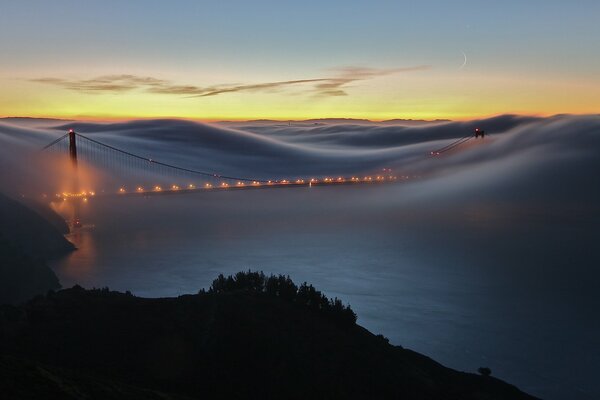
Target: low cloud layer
(523,159)
(335,85)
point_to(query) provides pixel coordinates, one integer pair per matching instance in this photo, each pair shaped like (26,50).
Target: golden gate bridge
(155,177)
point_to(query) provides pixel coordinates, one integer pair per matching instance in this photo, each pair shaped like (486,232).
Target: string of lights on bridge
(158,189)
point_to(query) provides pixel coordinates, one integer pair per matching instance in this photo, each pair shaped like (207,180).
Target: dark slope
(24,379)
(234,344)
(26,241)
(21,276)
(48,214)
(29,232)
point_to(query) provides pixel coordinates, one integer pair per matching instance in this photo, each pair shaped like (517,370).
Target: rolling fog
(485,257)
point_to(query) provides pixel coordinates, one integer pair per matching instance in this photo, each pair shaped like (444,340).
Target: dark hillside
(30,232)
(243,341)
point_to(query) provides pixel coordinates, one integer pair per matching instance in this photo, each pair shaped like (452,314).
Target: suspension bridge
(146,176)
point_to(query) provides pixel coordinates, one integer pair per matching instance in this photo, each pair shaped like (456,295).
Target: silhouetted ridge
(284,288)
(249,336)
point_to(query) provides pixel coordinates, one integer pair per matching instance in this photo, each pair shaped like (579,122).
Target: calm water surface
(469,286)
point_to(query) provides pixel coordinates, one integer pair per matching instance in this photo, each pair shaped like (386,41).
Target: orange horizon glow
(209,120)
(376,63)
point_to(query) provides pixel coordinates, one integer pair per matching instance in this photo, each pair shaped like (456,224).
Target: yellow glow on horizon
(411,96)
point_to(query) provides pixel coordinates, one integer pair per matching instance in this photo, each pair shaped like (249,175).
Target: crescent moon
(465,62)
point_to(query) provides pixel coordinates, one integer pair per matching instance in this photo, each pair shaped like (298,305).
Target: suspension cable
(150,160)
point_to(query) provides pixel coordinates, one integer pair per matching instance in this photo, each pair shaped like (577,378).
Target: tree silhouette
(283,287)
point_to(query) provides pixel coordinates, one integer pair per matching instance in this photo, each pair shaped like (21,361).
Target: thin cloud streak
(336,85)
(258,87)
(107,83)
(346,75)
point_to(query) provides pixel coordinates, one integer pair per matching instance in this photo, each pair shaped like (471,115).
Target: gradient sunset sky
(295,60)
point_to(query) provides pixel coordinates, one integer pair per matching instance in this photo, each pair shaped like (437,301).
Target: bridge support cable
(117,161)
(54,142)
(452,145)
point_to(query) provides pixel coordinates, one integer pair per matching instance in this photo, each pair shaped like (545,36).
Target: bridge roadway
(271,185)
(174,190)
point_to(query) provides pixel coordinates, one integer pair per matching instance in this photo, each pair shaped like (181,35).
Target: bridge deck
(158,191)
(246,186)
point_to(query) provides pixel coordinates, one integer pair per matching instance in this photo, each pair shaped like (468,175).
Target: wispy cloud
(107,83)
(346,75)
(334,85)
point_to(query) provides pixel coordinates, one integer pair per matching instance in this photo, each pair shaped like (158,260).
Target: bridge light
(175,187)
(208,185)
(85,199)
(140,189)
(190,186)
(157,188)
(121,190)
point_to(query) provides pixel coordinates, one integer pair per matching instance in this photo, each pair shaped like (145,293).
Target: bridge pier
(75,222)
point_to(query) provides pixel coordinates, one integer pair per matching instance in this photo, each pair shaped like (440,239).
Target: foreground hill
(23,379)
(241,339)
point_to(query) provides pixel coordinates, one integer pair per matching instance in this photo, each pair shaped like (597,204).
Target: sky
(235,60)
